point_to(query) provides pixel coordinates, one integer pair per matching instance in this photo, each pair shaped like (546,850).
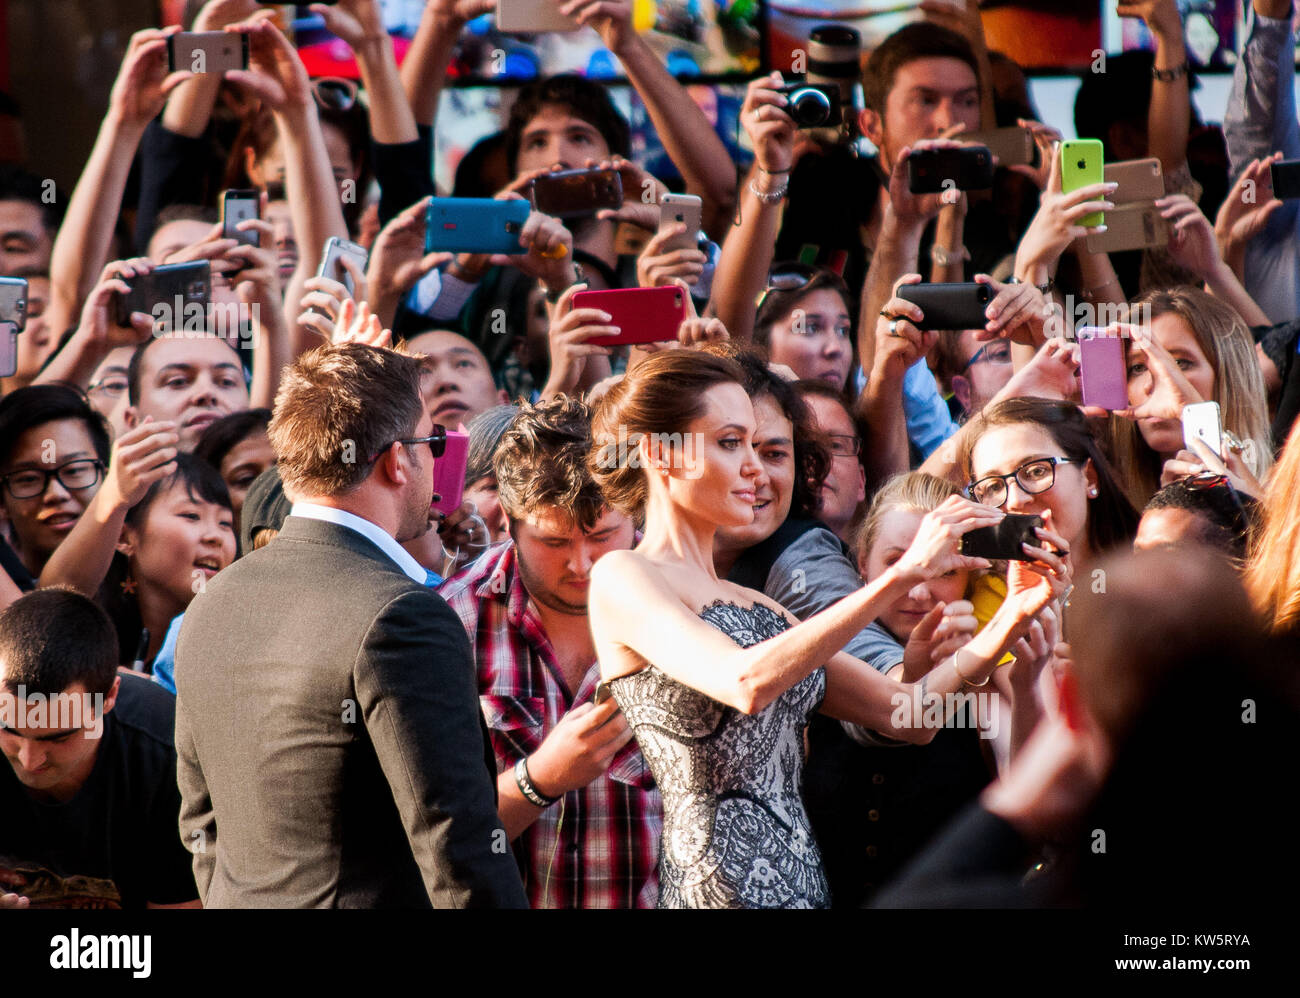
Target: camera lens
(809,106)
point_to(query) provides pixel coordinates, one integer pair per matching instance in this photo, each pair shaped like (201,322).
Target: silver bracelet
(771,198)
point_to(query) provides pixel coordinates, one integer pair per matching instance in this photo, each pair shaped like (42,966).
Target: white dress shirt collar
(370,531)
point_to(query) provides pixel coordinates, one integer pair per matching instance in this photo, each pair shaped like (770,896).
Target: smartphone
(335,250)
(1103,376)
(175,294)
(13,301)
(475,225)
(1012,146)
(1082,165)
(949,306)
(577,193)
(1201,422)
(1003,541)
(1138,179)
(643,315)
(684,208)
(449,473)
(1285,177)
(1130,227)
(239,206)
(207,51)
(930,171)
(527,17)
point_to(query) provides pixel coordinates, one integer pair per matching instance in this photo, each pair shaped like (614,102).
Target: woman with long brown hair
(1273,571)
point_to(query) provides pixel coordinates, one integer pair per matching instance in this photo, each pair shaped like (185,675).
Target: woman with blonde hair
(1195,349)
(1273,571)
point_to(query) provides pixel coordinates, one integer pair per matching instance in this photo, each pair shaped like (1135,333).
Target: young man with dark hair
(192,381)
(365,782)
(89,796)
(574,793)
(31,210)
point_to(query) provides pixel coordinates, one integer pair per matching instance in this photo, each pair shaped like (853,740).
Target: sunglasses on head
(333,93)
(787,277)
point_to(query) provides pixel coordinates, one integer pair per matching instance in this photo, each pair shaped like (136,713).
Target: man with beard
(326,729)
(574,793)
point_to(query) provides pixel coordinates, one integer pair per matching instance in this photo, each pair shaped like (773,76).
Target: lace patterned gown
(735,834)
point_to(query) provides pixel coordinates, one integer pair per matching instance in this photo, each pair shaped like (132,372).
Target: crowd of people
(706,628)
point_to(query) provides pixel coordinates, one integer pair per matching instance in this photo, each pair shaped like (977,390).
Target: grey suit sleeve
(416,689)
(198,825)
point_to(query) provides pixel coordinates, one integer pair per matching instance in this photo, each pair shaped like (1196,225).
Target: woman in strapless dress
(718,681)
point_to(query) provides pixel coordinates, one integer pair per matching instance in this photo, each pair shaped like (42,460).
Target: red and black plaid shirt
(597,847)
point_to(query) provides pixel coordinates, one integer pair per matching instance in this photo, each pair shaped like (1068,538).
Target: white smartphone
(684,208)
(526,17)
(1201,422)
(330,266)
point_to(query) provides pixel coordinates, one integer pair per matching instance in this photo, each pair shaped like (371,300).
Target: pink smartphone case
(449,472)
(643,315)
(1102,375)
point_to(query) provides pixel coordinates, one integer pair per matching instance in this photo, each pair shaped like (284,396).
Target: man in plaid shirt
(575,795)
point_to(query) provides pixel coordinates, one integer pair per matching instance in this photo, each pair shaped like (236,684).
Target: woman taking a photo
(720,716)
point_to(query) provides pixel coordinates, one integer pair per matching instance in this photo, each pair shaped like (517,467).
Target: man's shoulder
(145,711)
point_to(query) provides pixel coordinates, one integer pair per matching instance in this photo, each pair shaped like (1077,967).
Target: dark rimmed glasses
(437,443)
(994,352)
(28,483)
(1033,477)
(844,445)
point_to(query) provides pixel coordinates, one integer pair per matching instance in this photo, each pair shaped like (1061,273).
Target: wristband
(1169,75)
(525,785)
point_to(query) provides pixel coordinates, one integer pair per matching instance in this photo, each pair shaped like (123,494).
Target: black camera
(813,105)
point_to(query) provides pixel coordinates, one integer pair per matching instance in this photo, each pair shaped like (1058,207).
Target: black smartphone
(175,294)
(1286,179)
(239,206)
(577,193)
(1003,541)
(931,171)
(949,306)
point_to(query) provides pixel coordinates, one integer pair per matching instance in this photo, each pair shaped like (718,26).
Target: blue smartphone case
(474,225)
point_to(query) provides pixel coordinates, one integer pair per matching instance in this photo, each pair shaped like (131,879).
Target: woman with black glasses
(1035,456)
(53,451)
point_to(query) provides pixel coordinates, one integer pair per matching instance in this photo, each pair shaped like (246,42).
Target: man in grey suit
(330,750)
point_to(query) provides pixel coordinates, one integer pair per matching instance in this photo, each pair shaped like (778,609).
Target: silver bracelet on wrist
(771,198)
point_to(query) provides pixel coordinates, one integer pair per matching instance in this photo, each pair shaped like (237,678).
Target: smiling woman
(174,541)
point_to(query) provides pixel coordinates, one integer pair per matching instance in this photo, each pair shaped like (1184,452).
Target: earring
(1092,493)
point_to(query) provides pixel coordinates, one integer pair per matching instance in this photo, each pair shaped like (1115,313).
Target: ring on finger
(893,329)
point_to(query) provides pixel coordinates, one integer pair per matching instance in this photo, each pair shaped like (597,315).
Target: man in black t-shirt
(89,806)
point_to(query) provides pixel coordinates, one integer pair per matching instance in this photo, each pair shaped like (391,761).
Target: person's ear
(502,397)
(650,450)
(862,564)
(250,167)
(131,417)
(862,483)
(127,541)
(961,389)
(391,466)
(872,125)
(1090,479)
(110,698)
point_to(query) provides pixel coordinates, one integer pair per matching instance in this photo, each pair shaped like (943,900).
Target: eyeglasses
(72,475)
(113,386)
(1034,477)
(994,352)
(845,445)
(789,277)
(333,93)
(437,443)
